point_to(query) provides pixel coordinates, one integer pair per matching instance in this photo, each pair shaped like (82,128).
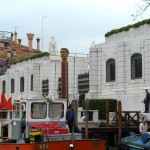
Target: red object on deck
(51,128)
(47,131)
(44,125)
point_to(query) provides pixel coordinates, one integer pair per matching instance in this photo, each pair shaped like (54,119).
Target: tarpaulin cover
(135,141)
(51,128)
(4,103)
(49,125)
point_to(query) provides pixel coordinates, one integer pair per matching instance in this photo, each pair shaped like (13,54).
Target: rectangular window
(12,85)
(22,84)
(110,70)
(4,86)
(38,110)
(136,66)
(45,87)
(56,110)
(31,83)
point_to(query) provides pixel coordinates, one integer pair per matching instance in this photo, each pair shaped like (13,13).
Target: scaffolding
(6,36)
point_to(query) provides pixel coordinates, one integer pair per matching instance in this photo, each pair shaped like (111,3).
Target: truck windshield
(16,110)
(56,110)
(38,110)
(3,114)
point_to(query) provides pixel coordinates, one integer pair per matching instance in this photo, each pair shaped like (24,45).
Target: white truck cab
(27,112)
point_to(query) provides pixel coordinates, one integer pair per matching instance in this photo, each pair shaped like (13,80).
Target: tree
(141,9)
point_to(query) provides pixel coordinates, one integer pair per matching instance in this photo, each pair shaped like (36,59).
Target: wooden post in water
(107,113)
(75,107)
(107,124)
(119,122)
(64,73)
(87,118)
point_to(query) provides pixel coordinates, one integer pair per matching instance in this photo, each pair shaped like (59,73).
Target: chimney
(38,44)
(14,52)
(9,53)
(11,37)
(15,36)
(30,38)
(19,41)
(2,45)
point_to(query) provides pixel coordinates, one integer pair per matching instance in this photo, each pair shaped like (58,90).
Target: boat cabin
(29,112)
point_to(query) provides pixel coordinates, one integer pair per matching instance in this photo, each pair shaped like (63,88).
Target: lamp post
(42,29)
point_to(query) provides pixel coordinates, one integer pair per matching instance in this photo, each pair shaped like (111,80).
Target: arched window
(31,86)
(136,66)
(110,70)
(4,86)
(45,87)
(22,84)
(12,85)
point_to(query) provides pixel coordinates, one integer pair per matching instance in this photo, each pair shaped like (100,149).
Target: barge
(40,124)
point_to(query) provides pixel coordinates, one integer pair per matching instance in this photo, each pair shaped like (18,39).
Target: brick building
(12,49)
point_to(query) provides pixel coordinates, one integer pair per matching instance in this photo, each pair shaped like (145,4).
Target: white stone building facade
(45,68)
(128,51)
(121,48)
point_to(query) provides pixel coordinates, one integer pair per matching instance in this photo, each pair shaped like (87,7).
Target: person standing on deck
(143,128)
(70,117)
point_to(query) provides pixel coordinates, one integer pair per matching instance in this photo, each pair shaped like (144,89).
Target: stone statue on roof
(53,47)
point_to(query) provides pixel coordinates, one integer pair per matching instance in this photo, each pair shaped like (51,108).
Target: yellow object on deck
(35,136)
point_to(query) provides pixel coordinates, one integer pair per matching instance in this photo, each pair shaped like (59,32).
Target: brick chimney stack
(30,38)
(38,44)
(15,34)
(11,37)
(19,41)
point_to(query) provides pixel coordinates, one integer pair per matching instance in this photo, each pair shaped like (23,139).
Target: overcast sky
(73,23)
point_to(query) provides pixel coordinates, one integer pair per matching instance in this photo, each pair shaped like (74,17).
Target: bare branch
(141,9)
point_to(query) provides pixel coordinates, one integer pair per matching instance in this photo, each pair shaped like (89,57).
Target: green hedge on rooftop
(42,54)
(126,28)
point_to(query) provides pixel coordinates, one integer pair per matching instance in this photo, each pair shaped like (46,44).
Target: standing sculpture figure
(64,73)
(146,101)
(64,54)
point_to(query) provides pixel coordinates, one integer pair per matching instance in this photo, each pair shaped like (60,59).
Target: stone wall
(121,47)
(44,68)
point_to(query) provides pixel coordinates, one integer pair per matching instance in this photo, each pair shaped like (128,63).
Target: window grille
(45,87)
(83,83)
(22,84)
(12,85)
(31,88)
(4,86)
(136,66)
(59,87)
(110,70)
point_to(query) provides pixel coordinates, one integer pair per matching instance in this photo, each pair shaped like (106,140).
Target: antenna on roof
(16,28)
(43,29)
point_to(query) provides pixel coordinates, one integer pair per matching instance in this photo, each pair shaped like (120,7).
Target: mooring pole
(87,118)
(107,113)
(75,107)
(119,122)
(64,73)
(107,124)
